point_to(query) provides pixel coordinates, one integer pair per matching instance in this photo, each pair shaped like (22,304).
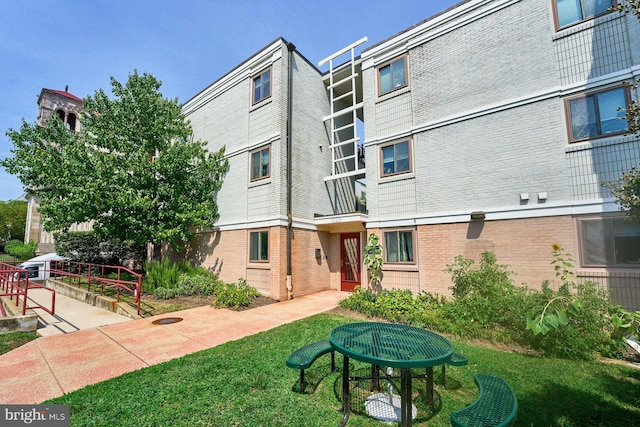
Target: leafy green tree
(13,219)
(627,188)
(133,168)
(86,246)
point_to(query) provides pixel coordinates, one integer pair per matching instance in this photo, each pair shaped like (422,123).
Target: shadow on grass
(362,388)
(613,403)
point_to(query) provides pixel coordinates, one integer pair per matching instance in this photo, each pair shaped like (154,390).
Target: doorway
(349,261)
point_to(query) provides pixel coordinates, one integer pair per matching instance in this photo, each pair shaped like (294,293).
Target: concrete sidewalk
(54,365)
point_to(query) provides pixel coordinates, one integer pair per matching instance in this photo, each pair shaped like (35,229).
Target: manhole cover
(167,320)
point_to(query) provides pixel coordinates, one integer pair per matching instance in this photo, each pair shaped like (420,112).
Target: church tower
(68,107)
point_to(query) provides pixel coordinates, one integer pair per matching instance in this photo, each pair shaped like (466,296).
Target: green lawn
(246,383)
(13,340)
(8,258)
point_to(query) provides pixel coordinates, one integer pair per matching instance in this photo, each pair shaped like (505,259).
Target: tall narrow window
(262,86)
(260,163)
(392,76)
(71,122)
(570,12)
(398,246)
(396,158)
(259,246)
(597,114)
(62,115)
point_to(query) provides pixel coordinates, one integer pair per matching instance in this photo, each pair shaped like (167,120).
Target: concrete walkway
(70,315)
(51,366)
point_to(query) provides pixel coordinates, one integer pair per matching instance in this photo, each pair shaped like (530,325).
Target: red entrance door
(349,261)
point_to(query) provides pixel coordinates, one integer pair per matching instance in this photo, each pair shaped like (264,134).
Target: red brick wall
(524,245)
(310,274)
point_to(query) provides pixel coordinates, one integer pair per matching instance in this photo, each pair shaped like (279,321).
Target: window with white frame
(259,246)
(261,163)
(262,86)
(392,75)
(398,246)
(396,158)
(597,114)
(609,242)
(569,12)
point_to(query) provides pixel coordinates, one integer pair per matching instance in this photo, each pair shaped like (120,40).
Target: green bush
(424,309)
(584,332)
(8,247)
(166,280)
(189,285)
(161,274)
(198,284)
(486,296)
(235,295)
(20,250)
(579,319)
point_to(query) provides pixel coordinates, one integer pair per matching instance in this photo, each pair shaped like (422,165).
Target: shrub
(486,296)
(577,321)
(20,250)
(161,274)
(581,325)
(235,295)
(11,244)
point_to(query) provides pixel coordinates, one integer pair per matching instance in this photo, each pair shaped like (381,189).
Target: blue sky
(185,44)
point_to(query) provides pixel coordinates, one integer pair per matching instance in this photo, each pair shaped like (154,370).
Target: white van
(40,267)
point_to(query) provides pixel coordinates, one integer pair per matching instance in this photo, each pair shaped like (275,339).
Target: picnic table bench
(304,357)
(496,406)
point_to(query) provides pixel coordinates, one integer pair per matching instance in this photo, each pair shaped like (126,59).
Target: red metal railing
(96,274)
(14,281)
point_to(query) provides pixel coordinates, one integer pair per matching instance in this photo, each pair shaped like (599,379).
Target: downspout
(291,48)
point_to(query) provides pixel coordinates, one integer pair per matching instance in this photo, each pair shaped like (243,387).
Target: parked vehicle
(40,267)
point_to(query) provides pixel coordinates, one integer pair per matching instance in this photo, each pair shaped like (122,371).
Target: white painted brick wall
(491,60)
(474,147)
(228,119)
(311,156)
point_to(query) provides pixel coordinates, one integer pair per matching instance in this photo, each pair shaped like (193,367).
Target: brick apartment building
(490,126)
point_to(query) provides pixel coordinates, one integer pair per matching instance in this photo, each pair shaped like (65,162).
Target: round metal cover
(167,321)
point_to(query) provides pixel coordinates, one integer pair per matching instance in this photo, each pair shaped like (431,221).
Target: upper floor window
(398,246)
(259,245)
(396,158)
(392,76)
(261,163)
(597,114)
(609,242)
(262,86)
(570,12)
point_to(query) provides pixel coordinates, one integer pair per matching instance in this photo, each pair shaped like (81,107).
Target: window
(260,163)
(570,12)
(259,246)
(392,76)
(608,242)
(71,122)
(398,246)
(597,114)
(262,86)
(396,158)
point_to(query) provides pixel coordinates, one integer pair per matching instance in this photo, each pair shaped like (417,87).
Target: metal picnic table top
(391,344)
